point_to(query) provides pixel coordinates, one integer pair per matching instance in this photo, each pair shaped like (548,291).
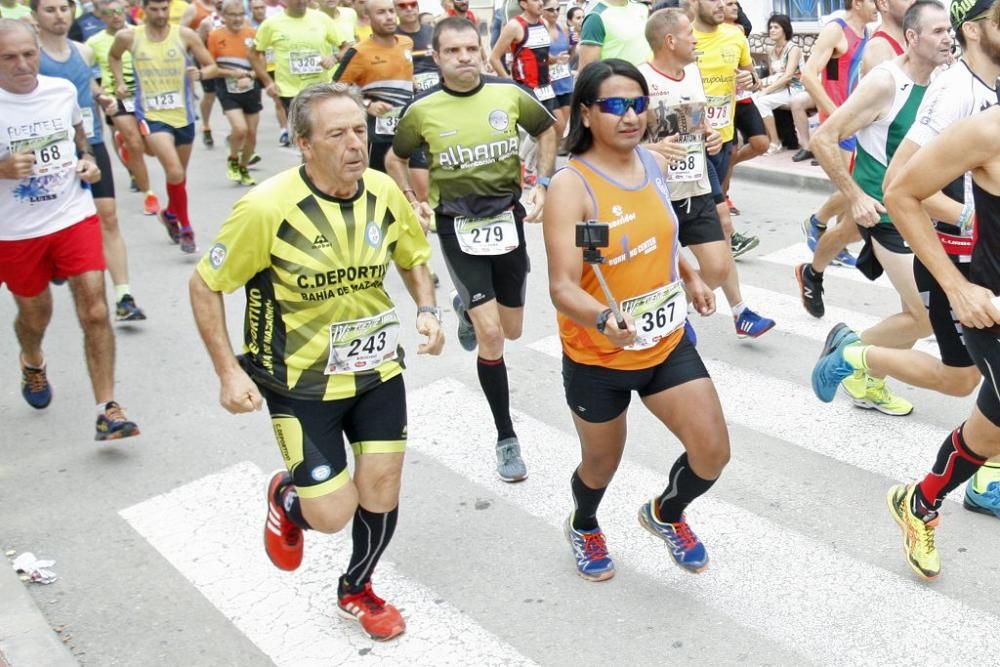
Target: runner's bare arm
(420,284)
(238,392)
(962,147)
(829,39)
(862,108)
(259,63)
(187,18)
(17,165)
(511,33)
(939,205)
(209,70)
(586,54)
(877,51)
(569,204)
(122,43)
(399,170)
(546,164)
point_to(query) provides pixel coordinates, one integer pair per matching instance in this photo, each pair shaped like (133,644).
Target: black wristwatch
(433,310)
(602,319)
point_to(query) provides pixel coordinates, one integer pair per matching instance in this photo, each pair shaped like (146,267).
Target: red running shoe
(379,620)
(120,145)
(282,538)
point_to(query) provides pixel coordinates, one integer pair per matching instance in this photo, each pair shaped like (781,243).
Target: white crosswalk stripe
(214,540)
(799,253)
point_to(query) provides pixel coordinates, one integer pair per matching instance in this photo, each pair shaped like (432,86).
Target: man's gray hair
(234,4)
(300,114)
(12,25)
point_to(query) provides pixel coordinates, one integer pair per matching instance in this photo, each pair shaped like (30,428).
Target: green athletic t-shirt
(100,44)
(620,31)
(313,267)
(472,141)
(299,44)
(18,11)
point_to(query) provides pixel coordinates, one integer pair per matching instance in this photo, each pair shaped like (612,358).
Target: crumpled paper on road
(34,570)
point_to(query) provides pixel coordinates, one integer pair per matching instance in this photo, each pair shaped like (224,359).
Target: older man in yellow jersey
(164,101)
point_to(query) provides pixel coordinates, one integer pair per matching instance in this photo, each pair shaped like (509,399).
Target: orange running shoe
(120,145)
(282,538)
(150,205)
(379,620)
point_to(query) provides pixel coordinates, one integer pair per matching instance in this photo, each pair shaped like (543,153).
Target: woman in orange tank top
(612,180)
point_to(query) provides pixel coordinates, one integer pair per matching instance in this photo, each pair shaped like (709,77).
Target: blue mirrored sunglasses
(619,106)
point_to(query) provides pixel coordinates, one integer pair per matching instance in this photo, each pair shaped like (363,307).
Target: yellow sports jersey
(163,93)
(319,323)
(100,44)
(299,44)
(719,55)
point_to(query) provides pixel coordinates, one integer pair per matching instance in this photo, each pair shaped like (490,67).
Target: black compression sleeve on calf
(684,487)
(493,380)
(372,532)
(586,500)
(955,464)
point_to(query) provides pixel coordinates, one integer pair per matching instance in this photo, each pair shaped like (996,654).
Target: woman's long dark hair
(588,84)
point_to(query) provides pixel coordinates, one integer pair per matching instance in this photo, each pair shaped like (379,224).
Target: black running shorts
(698,220)
(311,433)
(984,348)
(947,329)
(889,238)
(748,121)
(482,278)
(104,188)
(596,394)
(248,102)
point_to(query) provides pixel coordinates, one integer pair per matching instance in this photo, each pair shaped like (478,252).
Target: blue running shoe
(591,552)
(751,325)
(690,334)
(466,332)
(844,259)
(35,387)
(112,424)
(987,502)
(812,231)
(831,367)
(685,547)
(173,226)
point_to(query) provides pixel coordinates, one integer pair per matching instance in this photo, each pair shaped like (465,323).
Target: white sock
(101,407)
(121,291)
(739,308)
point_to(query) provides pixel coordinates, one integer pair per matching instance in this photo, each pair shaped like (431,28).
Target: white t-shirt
(954,94)
(678,107)
(53,198)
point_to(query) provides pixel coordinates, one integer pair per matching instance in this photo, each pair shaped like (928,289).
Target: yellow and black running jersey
(319,323)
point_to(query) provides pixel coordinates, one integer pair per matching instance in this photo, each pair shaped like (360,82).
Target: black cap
(966,10)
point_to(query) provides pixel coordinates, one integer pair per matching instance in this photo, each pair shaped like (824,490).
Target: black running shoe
(811,289)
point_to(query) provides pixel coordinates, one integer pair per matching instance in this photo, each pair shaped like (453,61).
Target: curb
(769,176)
(26,639)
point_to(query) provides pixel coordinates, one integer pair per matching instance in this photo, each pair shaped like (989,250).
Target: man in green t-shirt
(614,29)
(304,42)
(469,127)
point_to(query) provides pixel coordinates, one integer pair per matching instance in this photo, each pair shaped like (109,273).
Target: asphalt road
(157,539)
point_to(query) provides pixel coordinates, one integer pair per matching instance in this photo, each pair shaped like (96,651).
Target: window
(807,11)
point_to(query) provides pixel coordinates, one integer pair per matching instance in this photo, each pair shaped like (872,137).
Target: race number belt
(239,84)
(53,152)
(88,122)
(692,166)
(304,63)
(956,245)
(128,104)
(164,101)
(559,71)
(361,345)
(544,93)
(425,81)
(657,314)
(718,110)
(496,235)
(386,123)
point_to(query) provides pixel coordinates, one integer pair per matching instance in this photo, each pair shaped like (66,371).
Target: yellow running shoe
(878,397)
(855,385)
(918,535)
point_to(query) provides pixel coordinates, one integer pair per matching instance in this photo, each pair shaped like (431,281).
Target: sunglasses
(407,5)
(619,106)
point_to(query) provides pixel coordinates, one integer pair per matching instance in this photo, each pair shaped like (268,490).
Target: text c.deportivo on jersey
(372,275)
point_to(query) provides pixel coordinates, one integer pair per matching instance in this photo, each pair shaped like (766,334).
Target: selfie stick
(592,255)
